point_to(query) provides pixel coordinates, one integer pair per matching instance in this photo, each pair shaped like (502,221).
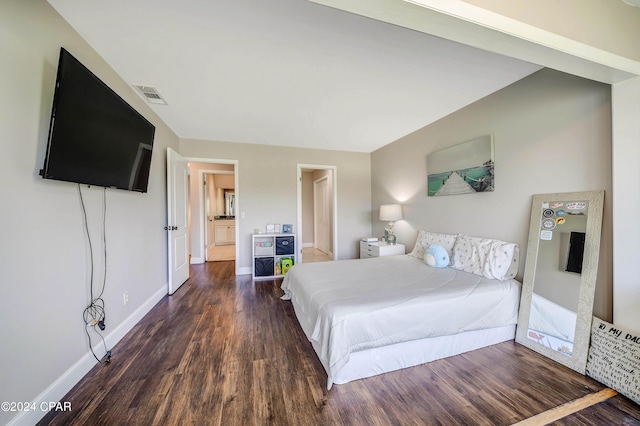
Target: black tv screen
(95,137)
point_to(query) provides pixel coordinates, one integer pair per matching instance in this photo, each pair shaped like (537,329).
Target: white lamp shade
(390,212)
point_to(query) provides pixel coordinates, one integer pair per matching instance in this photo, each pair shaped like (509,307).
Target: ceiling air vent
(151,95)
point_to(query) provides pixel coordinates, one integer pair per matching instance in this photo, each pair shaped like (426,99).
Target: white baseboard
(308,245)
(197,260)
(63,384)
(244,270)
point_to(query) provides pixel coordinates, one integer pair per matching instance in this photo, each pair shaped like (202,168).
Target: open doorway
(213,202)
(219,215)
(317,212)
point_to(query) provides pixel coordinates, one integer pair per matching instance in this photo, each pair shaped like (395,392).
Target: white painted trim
(236,171)
(197,260)
(244,271)
(202,213)
(625,105)
(313,244)
(63,384)
(334,169)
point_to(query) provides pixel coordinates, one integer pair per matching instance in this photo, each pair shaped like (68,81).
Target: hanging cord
(104,241)
(94,313)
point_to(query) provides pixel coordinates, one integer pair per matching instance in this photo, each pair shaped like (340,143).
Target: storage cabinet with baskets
(273,255)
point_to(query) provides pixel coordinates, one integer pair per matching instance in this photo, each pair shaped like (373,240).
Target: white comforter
(365,303)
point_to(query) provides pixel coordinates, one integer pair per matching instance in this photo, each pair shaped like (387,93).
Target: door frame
(334,207)
(203,214)
(200,212)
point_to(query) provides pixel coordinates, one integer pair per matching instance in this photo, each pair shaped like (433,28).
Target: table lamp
(390,213)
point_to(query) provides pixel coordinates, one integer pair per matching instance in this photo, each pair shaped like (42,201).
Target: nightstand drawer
(368,250)
(379,248)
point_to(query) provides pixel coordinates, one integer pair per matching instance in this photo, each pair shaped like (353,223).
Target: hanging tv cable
(94,313)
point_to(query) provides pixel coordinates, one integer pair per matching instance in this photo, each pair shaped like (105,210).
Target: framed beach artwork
(465,168)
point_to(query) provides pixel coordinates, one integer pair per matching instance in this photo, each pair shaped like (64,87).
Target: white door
(177,205)
(322,214)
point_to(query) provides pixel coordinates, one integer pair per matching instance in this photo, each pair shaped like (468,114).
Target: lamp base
(389,236)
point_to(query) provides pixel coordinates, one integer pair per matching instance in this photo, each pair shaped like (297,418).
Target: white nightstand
(379,248)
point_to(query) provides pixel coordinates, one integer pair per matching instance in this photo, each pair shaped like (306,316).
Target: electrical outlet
(125,298)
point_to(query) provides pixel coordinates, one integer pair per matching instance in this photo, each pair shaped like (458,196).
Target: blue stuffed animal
(435,255)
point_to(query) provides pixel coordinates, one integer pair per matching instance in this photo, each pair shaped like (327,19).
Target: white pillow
(513,268)
(425,238)
(493,259)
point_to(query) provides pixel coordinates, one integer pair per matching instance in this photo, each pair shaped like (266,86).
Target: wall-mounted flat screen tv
(95,137)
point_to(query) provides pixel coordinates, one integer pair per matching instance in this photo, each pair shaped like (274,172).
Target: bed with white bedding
(369,316)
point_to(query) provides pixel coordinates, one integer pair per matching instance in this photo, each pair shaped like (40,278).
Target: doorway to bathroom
(213,205)
(220,229)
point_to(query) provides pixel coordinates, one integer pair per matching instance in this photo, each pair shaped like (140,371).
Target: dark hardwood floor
(227,351)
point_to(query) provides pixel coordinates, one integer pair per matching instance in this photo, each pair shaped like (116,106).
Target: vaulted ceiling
(287,72)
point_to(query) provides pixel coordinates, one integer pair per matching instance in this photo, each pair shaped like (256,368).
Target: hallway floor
(222,253)
(310,254)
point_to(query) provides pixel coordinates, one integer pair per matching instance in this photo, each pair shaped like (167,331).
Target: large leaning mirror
(558,287)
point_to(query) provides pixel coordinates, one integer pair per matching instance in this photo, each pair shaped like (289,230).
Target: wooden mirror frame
(584,315)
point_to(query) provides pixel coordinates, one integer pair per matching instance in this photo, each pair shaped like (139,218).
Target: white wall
(267,189)
(552,133)
(626,202)
(43,255)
